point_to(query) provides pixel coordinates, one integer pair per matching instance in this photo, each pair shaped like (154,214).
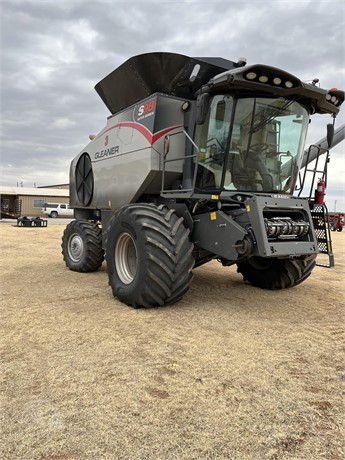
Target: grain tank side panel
(117,180)
(126,156)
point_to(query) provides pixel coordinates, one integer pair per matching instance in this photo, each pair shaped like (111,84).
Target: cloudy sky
(53,52)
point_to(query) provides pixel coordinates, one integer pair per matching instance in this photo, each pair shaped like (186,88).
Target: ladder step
(319,215)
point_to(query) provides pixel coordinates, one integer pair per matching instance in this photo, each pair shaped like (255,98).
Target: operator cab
(251,144)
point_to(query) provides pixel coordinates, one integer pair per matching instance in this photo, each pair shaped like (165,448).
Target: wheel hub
(75,247)
(126,258)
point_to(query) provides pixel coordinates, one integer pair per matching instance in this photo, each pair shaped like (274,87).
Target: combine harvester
(199,160)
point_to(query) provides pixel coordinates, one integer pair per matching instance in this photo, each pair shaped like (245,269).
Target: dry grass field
(230,372)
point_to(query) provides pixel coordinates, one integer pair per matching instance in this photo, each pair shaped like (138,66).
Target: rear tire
(339,229)
(82,246)
(276,273)
(149,256)
(53,214)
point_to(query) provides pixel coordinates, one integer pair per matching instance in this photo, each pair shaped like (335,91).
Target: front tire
(276,273)
(82,246)
(149,256)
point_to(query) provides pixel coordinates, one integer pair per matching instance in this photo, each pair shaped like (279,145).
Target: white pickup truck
(57,210)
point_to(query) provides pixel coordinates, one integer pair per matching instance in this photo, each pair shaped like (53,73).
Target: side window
(213,134)
(38,203)
(63,206)
(212,138)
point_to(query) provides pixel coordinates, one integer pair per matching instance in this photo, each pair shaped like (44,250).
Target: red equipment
(336,221)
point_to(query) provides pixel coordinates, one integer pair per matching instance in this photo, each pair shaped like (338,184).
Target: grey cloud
(54,52)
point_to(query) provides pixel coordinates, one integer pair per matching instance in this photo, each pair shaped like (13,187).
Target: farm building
(25,201)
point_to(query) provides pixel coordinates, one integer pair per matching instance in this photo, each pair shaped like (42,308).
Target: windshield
(251,144)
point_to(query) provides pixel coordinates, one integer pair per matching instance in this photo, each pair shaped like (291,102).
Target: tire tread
(281,274)
(92,236)
(168,257)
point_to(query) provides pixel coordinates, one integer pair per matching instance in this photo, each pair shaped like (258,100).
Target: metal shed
(27,201)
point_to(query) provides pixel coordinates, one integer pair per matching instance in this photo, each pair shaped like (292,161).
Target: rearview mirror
(202,106)
(330,134)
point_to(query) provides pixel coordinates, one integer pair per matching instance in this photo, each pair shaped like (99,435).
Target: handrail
(188,191)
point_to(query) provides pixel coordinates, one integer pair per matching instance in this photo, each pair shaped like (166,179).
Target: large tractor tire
(276,273)
(149,255)
(82,246)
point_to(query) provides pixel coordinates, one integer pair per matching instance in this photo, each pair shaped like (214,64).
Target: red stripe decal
(151,138)
(164,132)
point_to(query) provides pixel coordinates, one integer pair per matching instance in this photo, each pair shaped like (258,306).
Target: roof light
(263,79)
(251,76)
(277,81)
(242,61)
(185,106)
(289,84)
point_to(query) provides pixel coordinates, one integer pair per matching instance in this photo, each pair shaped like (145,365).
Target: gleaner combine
(199,160)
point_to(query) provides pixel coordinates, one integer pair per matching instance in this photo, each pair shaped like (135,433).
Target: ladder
(319,212)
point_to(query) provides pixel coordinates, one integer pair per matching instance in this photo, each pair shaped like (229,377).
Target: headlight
(263,79)
(251,76)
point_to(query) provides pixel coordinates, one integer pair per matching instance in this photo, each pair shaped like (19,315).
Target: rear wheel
(82,246)
(149,256)
(339,229)
(53,214)
(276,273)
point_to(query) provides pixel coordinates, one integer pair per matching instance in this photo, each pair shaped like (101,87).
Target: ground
(229,372)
